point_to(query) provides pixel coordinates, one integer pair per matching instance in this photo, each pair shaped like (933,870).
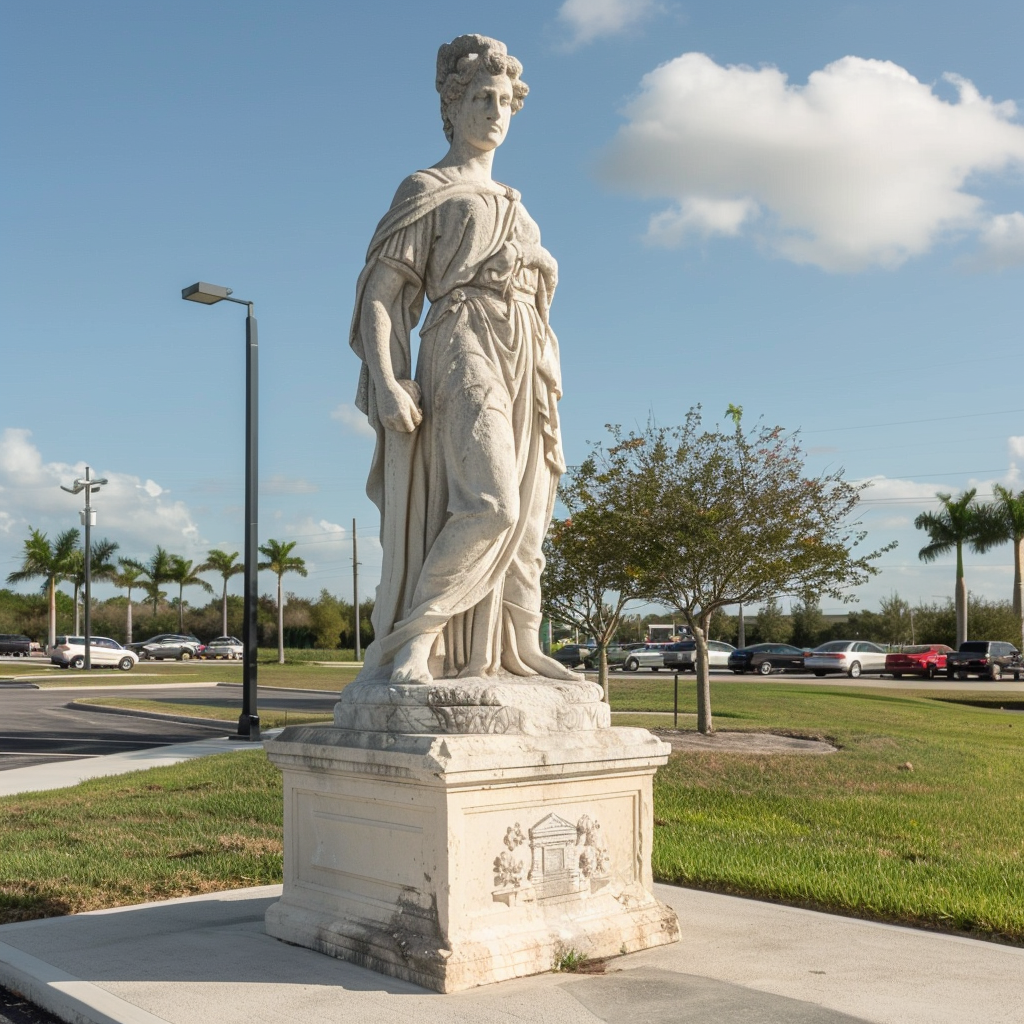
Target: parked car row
(852,658)
(69,651)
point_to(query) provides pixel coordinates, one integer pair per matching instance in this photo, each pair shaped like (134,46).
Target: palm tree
(958,522)
(100,568)
(1004,521)
(158,571)
(186,575)
(131,575)
(279,561)
(225,564)
(50,562)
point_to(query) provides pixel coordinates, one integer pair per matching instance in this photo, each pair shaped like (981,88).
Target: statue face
(483,115)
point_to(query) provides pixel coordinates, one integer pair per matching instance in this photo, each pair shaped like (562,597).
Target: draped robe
(488,449)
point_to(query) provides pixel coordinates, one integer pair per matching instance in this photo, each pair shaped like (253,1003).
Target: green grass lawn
(222,711)
(940,844)
(296,675)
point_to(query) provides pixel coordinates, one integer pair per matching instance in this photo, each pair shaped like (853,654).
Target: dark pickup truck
(987,659)
(13,644)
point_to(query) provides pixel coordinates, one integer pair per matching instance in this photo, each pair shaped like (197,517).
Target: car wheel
(630,665)
(854,670)
(995,673)
(144,655)
(184,656)
(78,662)
(737,671)
(818,672)
(897,675)
(765,668)
(931,673)
(961,675)
(655,668)
(125,664)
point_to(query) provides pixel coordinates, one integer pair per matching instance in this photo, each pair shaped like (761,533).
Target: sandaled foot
(412,663)
(548,667)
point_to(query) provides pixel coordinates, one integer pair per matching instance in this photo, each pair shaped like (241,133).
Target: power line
(905,423)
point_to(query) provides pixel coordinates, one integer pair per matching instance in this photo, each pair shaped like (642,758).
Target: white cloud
(352,420)
(1002,241)
(279,484)
(862,166)
(135,514)
(588,20)
(699,215)
(1016,445)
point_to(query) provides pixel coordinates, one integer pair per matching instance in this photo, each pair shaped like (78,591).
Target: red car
(925,660)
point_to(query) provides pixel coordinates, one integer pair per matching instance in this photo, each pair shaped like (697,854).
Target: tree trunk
(224,609)
(53,612)
(741,630)
(705,724)
(602,670)
(280,624)
(960,599)
(128,622)
(1018,583)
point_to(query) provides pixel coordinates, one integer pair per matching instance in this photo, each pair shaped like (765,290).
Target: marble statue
(470,813)
(468,452)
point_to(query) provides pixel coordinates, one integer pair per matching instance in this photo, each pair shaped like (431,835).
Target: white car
(683,655)
(223,647)
(69,652)
(852,657)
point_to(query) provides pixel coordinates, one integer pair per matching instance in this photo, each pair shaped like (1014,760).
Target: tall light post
(91,486)
(208,294)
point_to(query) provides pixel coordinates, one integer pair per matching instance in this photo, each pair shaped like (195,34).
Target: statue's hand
(398,406)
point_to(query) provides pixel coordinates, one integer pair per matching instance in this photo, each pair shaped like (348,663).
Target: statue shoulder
(417,184)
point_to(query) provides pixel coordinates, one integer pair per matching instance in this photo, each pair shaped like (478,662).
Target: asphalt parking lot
(38,727)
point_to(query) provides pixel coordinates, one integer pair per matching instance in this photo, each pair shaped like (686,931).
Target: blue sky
(809,209)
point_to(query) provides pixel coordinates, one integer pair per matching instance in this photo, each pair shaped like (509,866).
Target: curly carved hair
(458,63)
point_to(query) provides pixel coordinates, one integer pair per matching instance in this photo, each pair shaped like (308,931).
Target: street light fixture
(208,294)
(91,486)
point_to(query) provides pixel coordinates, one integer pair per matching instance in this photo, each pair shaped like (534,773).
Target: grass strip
(205,825)
(300,676)
(221,711)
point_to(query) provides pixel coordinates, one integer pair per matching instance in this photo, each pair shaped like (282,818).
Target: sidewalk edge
(64,995)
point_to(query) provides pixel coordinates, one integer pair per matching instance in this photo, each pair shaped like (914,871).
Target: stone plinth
(454,860)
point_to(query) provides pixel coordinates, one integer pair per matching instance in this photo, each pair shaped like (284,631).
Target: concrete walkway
(207,959)
(69,772)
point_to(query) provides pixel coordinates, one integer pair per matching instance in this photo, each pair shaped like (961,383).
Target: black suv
(986,659)
(16,645)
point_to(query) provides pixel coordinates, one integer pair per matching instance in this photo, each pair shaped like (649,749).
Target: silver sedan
(650,656)
(852,657)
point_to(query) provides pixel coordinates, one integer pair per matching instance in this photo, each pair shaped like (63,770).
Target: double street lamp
(91,486)
(208,294)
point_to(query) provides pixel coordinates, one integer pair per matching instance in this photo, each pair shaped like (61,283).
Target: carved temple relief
(566,862)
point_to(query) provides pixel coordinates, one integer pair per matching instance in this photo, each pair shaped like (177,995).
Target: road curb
(17,685)
(214,723)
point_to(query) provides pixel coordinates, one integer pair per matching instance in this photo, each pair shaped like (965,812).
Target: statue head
(461,61)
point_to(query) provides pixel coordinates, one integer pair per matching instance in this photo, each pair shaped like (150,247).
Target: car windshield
(920,649)
(835,645)
(974,646)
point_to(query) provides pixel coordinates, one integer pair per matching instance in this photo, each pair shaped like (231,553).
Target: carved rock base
(521,705)
(460,860)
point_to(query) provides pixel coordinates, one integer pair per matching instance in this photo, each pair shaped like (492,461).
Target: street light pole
(208,294)
(88,519)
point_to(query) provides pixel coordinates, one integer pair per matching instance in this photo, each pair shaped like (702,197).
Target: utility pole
(91,486)
(355,587)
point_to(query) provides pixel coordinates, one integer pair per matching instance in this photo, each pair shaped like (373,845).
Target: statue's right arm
(396,405)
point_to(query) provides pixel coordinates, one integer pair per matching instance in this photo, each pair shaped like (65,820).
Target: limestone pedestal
(454,859)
